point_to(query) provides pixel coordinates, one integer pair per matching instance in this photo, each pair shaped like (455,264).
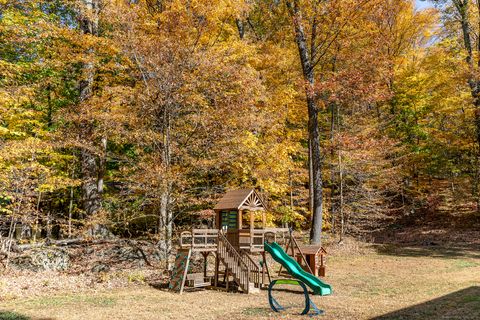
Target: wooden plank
(239,217)
(252,220)
(217,265)
(310,249)
(194,276)
(251,208)
(217,219)
(205,262)
(268,271)
(227,276)
(286,251)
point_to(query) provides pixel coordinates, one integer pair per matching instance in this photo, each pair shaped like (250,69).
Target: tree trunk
(342,215)
(91,195)
(240,28)
(92,166)
(473,81)
(165,225)
(290,182)
(88,25)
(310,179)
(332,168)
(313,129)
(166,214)
(168,230)
(314,134)
(70,208)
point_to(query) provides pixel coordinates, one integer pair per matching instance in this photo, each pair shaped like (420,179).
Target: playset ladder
(236,265)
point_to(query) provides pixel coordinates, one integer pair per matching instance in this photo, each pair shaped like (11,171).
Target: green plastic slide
(294,269)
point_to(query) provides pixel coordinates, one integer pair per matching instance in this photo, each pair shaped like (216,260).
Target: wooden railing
(254,269)
(234,262)
(251,240)
(257,239)
(200,239)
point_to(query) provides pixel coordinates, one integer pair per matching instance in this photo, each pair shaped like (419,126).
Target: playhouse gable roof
(240,199)
(312,249)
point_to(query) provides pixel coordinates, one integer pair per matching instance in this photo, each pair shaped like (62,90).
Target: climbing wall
(180,269)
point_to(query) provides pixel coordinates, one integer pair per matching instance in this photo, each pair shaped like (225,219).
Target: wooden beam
(217,265)
(227,276)
(266,267)
(205,262)
(251,208)
(252,220)
(286,251)
(217,219)
(239,219)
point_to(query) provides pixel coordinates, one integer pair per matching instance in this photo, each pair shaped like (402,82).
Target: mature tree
(321,28)
(467,16)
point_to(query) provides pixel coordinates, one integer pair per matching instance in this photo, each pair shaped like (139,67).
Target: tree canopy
(132,117)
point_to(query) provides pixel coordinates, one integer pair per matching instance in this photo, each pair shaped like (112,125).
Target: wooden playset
(239,244)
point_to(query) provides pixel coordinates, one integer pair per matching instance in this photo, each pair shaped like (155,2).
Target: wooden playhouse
(236,242)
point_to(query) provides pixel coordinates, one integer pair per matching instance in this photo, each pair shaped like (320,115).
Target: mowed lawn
(382,283)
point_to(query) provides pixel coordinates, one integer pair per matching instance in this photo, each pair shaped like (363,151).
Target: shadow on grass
(463,304)
(8,315)
(159,285)
(429,250)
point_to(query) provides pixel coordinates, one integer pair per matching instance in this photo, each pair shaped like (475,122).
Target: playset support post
(292,244)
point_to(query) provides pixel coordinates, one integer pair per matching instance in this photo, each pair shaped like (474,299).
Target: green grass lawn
(382,283)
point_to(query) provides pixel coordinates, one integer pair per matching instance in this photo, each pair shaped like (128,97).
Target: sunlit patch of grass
(59,301)
(257,311)
(466,264)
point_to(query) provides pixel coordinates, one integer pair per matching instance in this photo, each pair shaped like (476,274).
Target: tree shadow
(159,285)
(463,304)
(8,315)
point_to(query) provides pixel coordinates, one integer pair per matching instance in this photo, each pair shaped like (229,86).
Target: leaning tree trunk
(313,128)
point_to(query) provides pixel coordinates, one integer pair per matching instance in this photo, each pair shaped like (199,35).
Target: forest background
(131,118)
